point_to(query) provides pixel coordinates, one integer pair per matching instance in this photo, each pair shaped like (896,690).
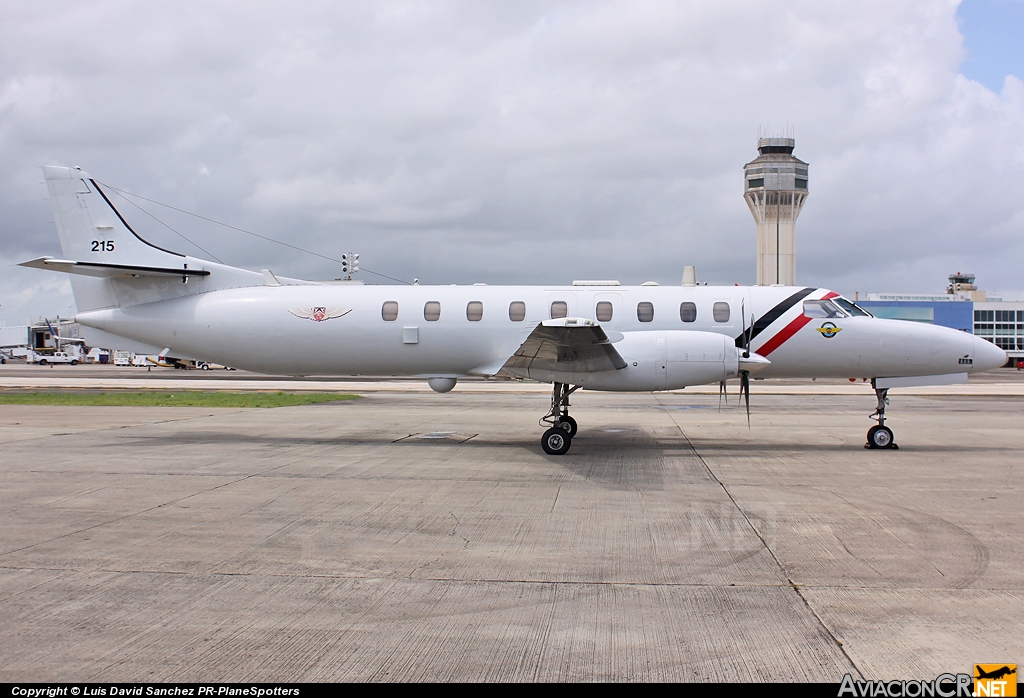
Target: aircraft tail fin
(110,265)
(92,230)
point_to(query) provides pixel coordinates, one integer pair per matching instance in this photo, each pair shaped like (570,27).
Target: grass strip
(168,398)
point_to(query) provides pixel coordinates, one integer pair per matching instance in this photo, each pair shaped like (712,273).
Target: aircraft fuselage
(471,330)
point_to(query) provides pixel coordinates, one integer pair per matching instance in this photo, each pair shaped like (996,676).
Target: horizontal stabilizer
(109,271)
(566,345)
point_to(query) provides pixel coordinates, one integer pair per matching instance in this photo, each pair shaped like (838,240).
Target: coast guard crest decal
(829,330)
(319,313)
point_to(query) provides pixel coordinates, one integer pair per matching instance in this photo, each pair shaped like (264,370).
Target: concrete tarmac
(428,537)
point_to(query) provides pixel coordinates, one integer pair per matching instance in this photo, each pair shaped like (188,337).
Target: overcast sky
(524,142)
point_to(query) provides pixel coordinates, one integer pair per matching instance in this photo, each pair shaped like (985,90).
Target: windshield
(851,307)
(822,309)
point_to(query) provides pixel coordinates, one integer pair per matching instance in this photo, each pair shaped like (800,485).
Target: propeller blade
(722,391)
(746,336)
(745,389)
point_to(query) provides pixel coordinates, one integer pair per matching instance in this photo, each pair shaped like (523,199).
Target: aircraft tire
(555,441)
(569,425)
(880,437)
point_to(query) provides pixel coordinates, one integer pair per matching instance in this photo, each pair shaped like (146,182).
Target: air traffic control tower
(775,188)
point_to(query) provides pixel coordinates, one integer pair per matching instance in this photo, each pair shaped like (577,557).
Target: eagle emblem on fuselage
(319,313)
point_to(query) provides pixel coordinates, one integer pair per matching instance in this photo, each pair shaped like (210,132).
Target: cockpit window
(851,307)
(822,309)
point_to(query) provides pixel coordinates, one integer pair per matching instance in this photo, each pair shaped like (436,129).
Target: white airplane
(592,335)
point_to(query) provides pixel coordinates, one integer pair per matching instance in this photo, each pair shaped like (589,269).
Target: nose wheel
(558,438)
(880,436)
(555,442)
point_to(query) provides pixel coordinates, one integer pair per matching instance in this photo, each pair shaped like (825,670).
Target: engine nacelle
(655,360)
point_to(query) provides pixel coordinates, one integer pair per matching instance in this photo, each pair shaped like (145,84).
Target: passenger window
(432,311)
(645,312)
(604,311)
(517,311)
(475,311)
(389,311)
(720,311)
(688,312)
(559,309)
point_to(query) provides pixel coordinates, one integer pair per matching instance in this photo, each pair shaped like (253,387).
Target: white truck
(122,358)
(57,357)
(207,365)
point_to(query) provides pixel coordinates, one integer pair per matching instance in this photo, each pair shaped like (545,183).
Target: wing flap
(566,345)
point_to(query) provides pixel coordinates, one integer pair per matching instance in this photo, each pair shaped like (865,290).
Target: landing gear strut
(557,439)
(880,436)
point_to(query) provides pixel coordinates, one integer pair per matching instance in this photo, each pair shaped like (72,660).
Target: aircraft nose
(986,355)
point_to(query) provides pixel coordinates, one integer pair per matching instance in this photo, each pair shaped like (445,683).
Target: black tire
(74,362)
(205,367)
(880,437)
(555,442)
(568,424)
(43,362)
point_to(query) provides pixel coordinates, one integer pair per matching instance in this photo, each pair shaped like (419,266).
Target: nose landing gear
(880,436)
(558,438)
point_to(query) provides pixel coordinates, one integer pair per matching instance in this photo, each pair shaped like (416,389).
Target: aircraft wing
(107,270)
(566,345)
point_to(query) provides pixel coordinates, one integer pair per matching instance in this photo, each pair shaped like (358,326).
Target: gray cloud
(538,142)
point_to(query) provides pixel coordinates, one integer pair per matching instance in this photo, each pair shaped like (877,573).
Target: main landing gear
(558,438)
(880,436)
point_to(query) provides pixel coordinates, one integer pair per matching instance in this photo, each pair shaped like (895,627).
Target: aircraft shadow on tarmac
(616,457)
(609,446)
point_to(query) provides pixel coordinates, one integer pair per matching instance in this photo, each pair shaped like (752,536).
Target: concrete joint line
(792,584)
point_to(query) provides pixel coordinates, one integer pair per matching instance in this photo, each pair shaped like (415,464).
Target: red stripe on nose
(784,334)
